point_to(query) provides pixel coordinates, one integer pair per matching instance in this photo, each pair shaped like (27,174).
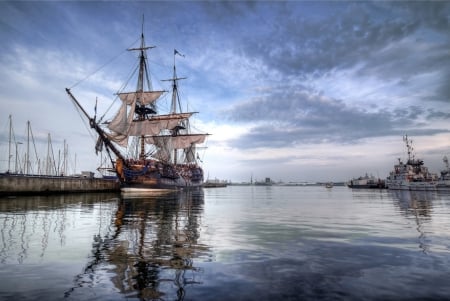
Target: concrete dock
(16,184)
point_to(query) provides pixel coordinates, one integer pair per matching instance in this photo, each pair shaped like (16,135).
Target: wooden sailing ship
(152,150)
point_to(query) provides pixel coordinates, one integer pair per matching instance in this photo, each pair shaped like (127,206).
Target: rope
(101,67)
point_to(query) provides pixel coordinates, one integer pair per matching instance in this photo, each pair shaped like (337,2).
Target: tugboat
(152,151)
(412,175)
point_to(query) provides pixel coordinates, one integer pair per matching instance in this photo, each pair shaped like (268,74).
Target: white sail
(154,125)
(164,148)
(143,97)
(121,122)
(177,142)
(120,139)
(190,153)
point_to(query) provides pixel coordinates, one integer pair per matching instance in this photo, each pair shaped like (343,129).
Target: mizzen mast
(176,100)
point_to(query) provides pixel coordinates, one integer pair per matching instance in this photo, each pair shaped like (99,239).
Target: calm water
(234,243)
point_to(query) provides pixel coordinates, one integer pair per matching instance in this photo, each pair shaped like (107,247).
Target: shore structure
(27,177)
(20,184)
(412,175)
(150,151)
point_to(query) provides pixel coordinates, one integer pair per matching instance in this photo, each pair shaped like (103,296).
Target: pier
(16,184)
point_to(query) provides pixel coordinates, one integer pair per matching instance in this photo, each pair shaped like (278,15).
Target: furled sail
(143,97)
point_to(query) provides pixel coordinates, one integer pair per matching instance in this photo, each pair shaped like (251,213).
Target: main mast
(140,110)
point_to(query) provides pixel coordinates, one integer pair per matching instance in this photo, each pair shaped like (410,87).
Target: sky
(291,90)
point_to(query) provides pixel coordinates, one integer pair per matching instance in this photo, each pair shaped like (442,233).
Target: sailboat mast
(174,104)
(27,171)
(175,100)
(9,148)
(140,88)
(140,104)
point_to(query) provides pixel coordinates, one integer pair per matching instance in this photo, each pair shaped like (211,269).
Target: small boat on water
(152,151)
(412,175)
(329,185)
(367,182)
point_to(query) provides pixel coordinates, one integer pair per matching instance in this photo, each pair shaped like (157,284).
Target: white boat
(412,175)
(443,183)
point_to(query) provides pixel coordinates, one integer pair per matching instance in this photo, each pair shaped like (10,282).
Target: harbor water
(232,243)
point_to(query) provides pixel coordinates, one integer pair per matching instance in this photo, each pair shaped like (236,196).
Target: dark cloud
(289,116)
(390,41)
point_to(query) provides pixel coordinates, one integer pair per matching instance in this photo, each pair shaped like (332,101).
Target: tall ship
(412,175)
(149,150)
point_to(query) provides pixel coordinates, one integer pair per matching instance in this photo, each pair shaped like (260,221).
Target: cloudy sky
(295,91)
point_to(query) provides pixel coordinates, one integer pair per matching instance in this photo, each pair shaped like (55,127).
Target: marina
(237,242)
(34,174)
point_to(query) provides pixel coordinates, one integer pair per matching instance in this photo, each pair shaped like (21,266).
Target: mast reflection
(150,253)
(416,204)
(28,224)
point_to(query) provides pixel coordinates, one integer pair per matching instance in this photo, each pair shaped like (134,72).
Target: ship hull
(156,178)
(413,186)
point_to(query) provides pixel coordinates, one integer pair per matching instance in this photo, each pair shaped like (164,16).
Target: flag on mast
(175,52)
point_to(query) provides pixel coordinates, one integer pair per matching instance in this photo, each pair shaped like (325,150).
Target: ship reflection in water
(139,248)
(417,205)
(149,254)
(232,243)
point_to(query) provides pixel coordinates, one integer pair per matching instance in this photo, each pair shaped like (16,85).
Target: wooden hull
(151,178)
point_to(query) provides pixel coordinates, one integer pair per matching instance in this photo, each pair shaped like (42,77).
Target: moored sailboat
(152,151)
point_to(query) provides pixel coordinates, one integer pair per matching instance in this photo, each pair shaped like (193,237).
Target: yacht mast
(9,148)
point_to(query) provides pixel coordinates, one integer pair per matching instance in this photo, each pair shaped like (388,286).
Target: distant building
(87,174)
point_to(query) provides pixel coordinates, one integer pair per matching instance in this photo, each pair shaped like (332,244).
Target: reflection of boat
(366,182)
(443,183)
(150,250)
(161,149)
(416,204)
(412,175)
